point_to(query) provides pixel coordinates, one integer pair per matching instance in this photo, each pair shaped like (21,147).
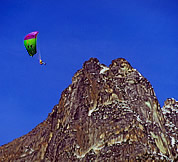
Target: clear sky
(70,32)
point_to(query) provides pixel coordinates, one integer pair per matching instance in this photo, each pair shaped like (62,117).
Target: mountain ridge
(105,114)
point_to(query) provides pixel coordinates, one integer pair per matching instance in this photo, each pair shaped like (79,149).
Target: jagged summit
(106,114)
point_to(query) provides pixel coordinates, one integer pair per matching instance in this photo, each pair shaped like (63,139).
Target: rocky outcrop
(106,114)
(170,112)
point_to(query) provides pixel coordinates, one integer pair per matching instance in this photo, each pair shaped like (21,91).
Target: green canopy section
(30,45)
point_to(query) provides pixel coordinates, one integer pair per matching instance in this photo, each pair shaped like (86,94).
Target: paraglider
(30,42)
(41,62)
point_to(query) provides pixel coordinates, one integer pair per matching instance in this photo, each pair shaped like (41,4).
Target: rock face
(170,112)
(106,114)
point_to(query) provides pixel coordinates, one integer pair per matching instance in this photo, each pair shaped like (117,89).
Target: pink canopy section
(31,35)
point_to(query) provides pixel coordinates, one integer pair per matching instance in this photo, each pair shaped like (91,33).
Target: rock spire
(106,114)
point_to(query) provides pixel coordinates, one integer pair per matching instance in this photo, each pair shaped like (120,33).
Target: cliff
(106,114)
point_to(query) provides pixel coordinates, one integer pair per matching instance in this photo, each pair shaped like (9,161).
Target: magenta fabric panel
(31,35)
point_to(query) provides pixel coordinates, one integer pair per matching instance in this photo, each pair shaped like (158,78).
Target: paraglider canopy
(30,43)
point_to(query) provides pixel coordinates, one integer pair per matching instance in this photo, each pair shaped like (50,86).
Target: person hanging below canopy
(41,62)
(30,42)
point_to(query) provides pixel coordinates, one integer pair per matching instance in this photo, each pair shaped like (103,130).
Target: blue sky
(70,32)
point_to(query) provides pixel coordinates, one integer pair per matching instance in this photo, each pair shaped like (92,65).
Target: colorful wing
(30,43)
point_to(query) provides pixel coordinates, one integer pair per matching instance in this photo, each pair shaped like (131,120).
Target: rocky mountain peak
(120,67)
(106,114)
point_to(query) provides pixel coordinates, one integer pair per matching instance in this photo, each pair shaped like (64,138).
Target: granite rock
(106,114)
